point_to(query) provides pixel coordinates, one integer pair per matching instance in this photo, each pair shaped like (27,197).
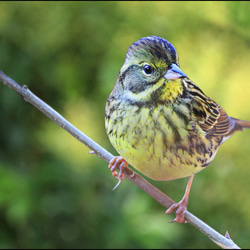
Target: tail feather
(241,123)
(235,125)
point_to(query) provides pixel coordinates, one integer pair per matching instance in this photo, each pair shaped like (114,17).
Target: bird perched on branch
(162,123)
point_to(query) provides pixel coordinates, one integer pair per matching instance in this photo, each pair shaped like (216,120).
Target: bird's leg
(113,165)
(181,206)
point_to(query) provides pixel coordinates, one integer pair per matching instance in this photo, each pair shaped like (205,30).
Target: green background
(53,194)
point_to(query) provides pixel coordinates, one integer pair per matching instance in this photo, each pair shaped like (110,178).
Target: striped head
(153,49)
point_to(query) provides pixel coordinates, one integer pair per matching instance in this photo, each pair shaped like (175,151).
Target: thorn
(227,236)
(92,152)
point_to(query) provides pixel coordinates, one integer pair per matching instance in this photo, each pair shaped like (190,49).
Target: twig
(220,240)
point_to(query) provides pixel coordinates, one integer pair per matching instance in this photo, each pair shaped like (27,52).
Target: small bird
(160,122)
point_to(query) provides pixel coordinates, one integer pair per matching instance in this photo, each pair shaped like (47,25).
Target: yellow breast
(158,142)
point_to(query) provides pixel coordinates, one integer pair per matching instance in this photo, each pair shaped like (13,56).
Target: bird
(160,122)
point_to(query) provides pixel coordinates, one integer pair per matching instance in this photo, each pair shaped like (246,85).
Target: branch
(28,96)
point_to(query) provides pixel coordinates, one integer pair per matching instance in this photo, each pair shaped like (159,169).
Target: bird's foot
(113,165)
(180,208)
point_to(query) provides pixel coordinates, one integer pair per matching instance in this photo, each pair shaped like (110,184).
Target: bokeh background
(53,194)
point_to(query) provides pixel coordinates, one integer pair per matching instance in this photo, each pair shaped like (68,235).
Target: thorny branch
(222,241)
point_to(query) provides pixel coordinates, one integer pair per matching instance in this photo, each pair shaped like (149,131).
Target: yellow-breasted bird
(160,122)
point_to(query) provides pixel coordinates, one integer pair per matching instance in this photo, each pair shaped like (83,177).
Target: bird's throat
(163,91)
(169,90)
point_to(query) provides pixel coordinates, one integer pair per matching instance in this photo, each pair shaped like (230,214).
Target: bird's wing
(220,124)
(214,121)
(217,123)
(210,116)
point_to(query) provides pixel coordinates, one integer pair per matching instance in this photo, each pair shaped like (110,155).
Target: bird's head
(150,71)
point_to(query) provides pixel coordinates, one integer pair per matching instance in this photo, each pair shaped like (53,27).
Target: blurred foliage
(53,194)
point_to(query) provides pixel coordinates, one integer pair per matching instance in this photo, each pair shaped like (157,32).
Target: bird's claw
(180,212)
(181,207)
(113,165)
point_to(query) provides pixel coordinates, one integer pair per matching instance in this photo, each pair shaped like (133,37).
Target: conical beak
(174,73)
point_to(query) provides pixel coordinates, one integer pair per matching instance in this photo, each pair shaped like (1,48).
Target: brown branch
(220,240)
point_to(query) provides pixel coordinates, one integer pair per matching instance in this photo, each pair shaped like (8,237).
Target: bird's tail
(235,125)
(240,124)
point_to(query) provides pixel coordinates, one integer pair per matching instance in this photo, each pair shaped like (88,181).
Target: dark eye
(147,69)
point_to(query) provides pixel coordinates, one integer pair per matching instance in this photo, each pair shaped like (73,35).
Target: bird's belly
(163,166)
(158,149)
(157,162)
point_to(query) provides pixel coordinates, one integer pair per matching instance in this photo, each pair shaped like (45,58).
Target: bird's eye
(147,69)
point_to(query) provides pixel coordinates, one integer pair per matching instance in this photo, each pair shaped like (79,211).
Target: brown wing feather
(215,121)
(210,116)
(222,124)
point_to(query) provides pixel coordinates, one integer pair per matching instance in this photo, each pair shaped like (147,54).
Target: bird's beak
(174,73)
